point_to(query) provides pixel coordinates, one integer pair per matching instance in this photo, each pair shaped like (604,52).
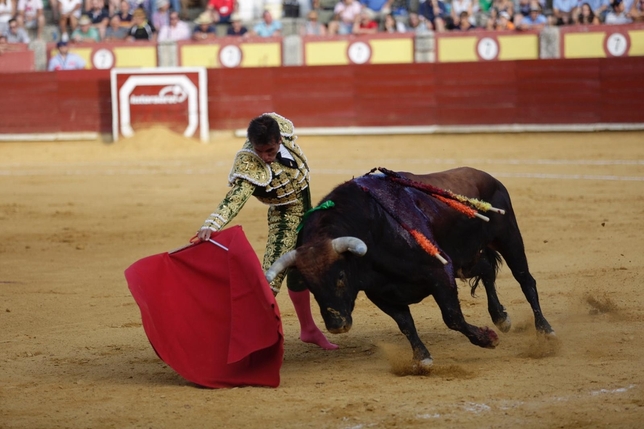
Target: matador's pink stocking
(309,332)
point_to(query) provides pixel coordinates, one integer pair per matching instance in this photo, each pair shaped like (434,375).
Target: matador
(273,168)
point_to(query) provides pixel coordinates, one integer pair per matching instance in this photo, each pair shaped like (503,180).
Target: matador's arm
(232,203)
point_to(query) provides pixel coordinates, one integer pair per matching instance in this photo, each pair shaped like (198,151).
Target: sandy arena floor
(73,353)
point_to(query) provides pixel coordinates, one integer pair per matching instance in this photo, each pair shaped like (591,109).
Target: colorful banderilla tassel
(438,192)
(457,205)
(427,245)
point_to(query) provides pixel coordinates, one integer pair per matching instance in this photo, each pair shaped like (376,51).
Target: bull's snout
(335,322)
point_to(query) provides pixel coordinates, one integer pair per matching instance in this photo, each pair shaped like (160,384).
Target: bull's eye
(340,282)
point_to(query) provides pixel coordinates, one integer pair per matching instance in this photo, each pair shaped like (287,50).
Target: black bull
(364,243)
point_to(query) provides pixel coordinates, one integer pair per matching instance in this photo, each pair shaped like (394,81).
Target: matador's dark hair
(264,130)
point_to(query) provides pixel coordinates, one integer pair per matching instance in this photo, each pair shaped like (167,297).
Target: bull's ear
(349,244)
(285,261)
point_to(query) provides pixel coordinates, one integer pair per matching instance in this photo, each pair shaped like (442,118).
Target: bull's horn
(352,244)
(285,261)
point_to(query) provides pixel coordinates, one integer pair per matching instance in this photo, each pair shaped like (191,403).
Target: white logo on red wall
(176,98)
(172,94)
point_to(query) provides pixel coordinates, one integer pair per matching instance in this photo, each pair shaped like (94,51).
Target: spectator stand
(17,58)
(486,46)
(364,49)
(106,55)
(231,52)
(586,41)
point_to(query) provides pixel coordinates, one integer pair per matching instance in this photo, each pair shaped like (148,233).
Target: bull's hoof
(548,334)
(492,338)
(504,325)
(422,367)
(426,363)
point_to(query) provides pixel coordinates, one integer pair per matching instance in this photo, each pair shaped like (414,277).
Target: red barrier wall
(509,92)
(45,102)
(20,60)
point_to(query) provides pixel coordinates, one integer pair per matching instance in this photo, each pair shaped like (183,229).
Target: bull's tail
(489,265)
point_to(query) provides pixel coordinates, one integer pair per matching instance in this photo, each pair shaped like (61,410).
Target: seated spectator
(98,16)
(30,16)
(587,16)
(458,7)
(141,29)
(16,34)
(161,16)
(112,6)
(484,11)
(464,22)
(417,24)
(618,14)
(204,28)
(70,12)
(503,22)
(85,31)
(435,13)
(524,6)
(312,27)
(504,5)
(345,14)
(564,12)
(399,8)
(639,11)
(5,46)
(222,10)
(65,60)
(176,30)
(236,27)
(535,20)
(125,14)
(146,5)
(391,25)
(598,7)
(268,27)
(115,32)
(7,12)
(379,8)
(324,8)
(365,24)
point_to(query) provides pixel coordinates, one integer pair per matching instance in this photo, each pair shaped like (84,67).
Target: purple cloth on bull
(409,207)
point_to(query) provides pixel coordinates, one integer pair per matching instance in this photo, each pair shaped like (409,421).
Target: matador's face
(268,152)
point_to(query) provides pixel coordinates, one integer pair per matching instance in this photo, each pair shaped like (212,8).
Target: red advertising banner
(176,97)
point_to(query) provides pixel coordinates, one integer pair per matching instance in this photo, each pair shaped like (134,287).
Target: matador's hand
(204,234)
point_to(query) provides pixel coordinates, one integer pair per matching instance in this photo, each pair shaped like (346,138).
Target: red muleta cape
(209,312)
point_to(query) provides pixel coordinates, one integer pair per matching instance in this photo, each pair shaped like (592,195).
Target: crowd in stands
(166,20)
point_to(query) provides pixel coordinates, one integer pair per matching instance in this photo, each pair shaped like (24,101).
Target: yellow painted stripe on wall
(326,53)
(135,57)
(452,49)
(200,56)
(584,45)
(637,43)
(523,47)
(84,53)
(392,51)
(261,55)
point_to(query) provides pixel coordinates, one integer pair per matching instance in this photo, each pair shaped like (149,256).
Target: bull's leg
(497,311)
(446,296)
(402,316)
(513,252)
(486,272)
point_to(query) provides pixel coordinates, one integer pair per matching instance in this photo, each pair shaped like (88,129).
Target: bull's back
(463,180)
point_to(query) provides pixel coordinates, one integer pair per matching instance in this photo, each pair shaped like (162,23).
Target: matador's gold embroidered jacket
(284,188)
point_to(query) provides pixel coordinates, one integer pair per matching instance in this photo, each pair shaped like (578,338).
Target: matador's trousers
(282,233)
